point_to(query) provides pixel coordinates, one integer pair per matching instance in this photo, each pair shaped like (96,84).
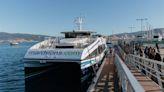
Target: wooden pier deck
(105,81)
(148,84)
(108,82)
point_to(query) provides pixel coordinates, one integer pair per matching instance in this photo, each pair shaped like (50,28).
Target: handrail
(128,82)
(151,67)
(149,60)
(123,54)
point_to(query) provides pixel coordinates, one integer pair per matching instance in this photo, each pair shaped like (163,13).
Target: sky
(50,17)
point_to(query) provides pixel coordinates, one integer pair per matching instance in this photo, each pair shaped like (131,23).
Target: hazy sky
(50,17)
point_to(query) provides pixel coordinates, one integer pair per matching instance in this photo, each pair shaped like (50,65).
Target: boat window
(68,35)
(100,49)
(93,54)
(75,35)
(96,52)
(64,46)
(103,46)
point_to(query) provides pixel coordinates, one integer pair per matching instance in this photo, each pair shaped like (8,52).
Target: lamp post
(132,50)
(141,19)
(142,35)
(131,28)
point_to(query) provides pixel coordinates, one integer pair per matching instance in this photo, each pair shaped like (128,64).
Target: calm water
(11,67)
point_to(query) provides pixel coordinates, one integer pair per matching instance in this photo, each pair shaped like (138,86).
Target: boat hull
(76,77)
(60,77)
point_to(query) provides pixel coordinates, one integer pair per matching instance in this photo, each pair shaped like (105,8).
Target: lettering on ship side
(54,53)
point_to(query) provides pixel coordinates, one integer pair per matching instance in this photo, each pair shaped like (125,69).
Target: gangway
(146,71)
(149,68)
(124,73)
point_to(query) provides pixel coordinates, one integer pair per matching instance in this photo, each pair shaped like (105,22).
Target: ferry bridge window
(68,35)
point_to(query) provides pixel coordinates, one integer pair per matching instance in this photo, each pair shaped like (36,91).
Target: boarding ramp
(115,76)
(151,68)
(128,73)
(146,71)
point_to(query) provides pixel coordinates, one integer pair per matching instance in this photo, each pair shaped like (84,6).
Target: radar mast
(79,21)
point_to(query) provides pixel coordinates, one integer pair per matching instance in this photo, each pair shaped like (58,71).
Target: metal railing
(151,68)
(123,54)
(128,82)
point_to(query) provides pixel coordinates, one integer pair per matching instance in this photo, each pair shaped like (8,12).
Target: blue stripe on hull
(89,62)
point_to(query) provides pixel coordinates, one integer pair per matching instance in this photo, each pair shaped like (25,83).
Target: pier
(121,72)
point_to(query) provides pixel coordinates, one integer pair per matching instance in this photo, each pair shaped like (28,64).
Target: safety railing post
(158,75)
(151,68)
(124,84)
(145,68)
(128,82)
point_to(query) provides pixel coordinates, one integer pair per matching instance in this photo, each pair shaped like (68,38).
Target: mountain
(5,37)
(155,31)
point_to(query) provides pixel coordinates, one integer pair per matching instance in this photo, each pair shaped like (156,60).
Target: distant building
(158,34)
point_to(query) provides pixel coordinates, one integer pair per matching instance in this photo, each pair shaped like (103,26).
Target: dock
(119,75)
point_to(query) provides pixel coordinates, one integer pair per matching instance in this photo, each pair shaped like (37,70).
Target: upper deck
(77,33)
(58,43)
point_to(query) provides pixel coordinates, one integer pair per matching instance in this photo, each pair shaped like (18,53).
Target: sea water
(12,67)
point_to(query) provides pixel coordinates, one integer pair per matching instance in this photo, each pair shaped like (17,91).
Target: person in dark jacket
(146,51)
(157,47)
(152,53)
(141,52)
(158,58)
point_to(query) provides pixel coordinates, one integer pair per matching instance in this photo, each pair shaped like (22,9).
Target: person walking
(141,52)
(146,52)
(158,58)
(152,53)
(157,47)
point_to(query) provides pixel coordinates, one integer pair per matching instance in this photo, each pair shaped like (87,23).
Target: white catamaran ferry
(79,46)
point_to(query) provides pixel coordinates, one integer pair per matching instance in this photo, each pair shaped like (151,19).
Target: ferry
(79,46)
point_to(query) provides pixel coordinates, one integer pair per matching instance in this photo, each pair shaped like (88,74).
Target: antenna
(142,19)
(79,21)
(131,28)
